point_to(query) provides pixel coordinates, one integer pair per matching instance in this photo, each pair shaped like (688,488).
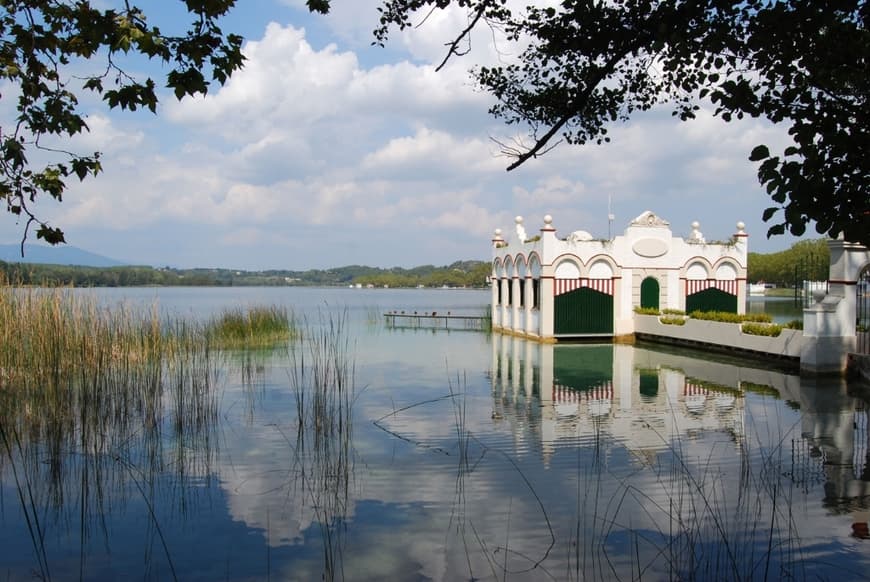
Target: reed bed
(98,403)
(254,326)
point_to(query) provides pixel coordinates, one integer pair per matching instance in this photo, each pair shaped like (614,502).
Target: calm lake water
(469,457)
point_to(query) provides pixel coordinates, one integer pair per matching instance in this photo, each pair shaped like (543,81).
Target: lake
(462,456)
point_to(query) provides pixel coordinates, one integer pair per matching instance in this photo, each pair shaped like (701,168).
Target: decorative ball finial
(696,224)
(518,219)
(548,220)
(741,225)
(498,233)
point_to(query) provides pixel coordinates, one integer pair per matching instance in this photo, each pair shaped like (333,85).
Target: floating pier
(436,320)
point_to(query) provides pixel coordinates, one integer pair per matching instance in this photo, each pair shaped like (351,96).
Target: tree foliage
(52,51)
(805,260)
(589,64)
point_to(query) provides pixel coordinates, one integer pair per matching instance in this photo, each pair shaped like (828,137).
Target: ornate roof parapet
(650,219)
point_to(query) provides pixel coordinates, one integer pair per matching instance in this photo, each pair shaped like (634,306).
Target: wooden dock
(435,320)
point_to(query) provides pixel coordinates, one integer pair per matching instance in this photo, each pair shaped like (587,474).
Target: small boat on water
(760,288)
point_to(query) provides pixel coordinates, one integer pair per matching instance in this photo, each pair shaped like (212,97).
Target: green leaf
(51,235)
(321,6)
(759,153)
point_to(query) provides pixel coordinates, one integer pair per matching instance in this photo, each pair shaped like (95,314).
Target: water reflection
(467,456)
(712,457)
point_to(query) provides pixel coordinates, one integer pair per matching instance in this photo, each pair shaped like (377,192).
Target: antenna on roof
(610,217)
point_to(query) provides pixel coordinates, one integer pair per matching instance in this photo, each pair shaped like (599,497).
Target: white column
(527,305)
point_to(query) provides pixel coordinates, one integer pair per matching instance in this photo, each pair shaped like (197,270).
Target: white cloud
(431,153)
(314,137)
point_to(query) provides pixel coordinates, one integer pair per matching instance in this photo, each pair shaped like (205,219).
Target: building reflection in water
(648,399)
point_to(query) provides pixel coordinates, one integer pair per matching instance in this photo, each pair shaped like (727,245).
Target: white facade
(530,273)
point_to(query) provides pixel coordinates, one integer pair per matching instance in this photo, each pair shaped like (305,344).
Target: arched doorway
(583,305)
(649,293)
(862,309)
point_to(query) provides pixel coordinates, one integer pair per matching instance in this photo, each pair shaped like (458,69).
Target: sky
(326,151)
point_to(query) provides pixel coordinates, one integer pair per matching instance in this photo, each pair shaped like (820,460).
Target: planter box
(725,335)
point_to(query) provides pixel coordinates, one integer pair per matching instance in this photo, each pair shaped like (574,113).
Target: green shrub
(672,311)
(794,324)
(645,310)
(765,329)
(728,317)
(673,320)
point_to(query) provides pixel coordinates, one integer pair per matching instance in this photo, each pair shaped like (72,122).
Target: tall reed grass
(97,403)
(322,380)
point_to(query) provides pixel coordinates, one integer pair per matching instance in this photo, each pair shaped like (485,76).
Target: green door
(711,299)
(583,311)
(649,293)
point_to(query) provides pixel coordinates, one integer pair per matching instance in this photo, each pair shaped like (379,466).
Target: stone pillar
(493,310)
(504,307)
(829,323)
(547,302)
(547,307)
(674,297)
(741,243)
(623,311)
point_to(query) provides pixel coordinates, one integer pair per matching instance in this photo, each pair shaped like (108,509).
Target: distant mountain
(59,255)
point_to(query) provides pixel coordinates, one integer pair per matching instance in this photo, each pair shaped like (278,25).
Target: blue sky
(325,151)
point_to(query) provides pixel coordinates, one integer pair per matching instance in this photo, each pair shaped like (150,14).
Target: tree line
(806,260)
(457,274)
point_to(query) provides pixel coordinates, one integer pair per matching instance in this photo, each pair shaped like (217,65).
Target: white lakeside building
(545,287)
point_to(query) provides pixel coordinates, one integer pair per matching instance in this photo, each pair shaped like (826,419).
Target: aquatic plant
(322,369)
(252,326)
(96,402)
(486,323)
